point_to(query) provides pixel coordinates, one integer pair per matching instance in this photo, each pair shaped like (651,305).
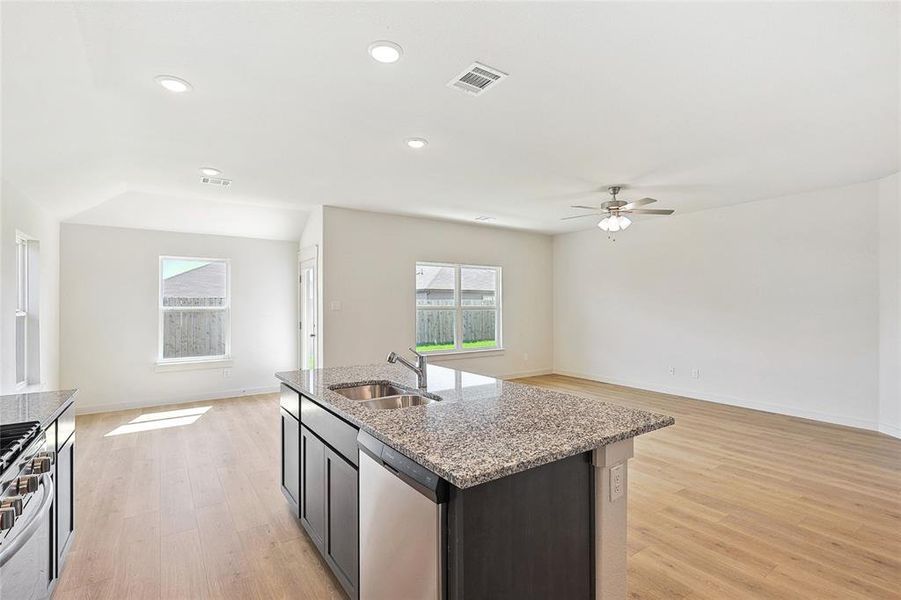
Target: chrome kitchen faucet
(419,367)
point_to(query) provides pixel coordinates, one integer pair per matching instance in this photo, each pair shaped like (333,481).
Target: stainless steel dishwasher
(402,526)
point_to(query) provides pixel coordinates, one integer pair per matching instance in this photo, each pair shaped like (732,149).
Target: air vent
(477,79)
(216,181)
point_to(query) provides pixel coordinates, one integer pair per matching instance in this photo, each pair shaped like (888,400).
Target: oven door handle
(9,550)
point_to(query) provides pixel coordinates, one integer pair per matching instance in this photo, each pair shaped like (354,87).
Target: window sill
(452,354)
(163,366)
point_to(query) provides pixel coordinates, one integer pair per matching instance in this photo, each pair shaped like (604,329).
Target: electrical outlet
(617,482)
(335,305)
(226,372)
(525,356)
(672,370)
(696,373)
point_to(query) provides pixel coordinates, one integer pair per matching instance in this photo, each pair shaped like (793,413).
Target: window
(194,309)
(458,307)
(28,323)
(21,311)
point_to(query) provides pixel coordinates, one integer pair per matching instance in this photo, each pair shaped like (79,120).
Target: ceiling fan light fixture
(605,224)
(624,222)
(613,225)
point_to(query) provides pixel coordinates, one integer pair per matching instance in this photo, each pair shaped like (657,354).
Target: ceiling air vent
(218,181)
(477,79)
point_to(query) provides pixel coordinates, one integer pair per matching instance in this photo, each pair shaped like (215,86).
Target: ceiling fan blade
(651,211)
(585,207)
(638,203)
(580,216)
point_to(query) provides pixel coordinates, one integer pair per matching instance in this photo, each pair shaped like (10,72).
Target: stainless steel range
(26,523)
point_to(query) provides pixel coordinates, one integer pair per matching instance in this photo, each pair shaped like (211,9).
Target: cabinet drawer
(290,401)
(337,433)
(65,426)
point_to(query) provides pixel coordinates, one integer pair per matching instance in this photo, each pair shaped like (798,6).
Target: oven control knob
(13,502)
(7,518)
(27,484)
(40,464)
(48,455)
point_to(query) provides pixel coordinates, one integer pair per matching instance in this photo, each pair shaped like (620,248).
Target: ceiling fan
(614,211)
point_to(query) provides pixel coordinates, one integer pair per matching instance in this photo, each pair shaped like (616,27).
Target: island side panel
(611,486)
(527,535)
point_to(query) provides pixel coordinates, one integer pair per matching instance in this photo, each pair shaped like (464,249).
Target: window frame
(161,310)
(22,277)
(459,308)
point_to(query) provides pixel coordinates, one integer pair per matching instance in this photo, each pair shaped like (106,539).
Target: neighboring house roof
(207,281)
(442,278)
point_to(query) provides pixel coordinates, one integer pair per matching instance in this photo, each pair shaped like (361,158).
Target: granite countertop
(484,428)
(35,406)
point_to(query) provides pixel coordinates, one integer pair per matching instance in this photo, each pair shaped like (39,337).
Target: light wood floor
(727,504)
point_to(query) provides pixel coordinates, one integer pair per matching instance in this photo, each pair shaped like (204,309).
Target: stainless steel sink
(400,401)
(383,394)
(368,391)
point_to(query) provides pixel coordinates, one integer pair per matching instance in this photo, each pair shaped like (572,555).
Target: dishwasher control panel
(417,476)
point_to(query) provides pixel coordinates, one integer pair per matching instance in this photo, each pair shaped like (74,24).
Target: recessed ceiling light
(210,171)
(385,51)
(417,143)
(176,85)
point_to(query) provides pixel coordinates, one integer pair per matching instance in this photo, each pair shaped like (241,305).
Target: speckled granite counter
(35,406)
(484,428)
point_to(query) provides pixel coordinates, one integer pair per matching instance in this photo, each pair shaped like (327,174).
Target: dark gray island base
(499,490)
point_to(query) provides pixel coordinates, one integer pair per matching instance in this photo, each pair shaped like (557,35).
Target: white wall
(775,302)
(20,214)
(109,291)
(163,212)
(890,305)
(369,267)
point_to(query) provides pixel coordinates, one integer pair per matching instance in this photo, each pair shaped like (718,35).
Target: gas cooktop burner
(14,437)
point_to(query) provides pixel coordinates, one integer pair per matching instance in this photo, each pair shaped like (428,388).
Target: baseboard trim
(778,409)
(518,374)
(87,409)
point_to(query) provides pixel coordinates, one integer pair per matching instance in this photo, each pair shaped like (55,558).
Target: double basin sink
(383,395)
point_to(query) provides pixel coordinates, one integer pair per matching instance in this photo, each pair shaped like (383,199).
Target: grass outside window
(476,345)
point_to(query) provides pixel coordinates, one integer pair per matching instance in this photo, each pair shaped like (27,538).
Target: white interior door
(309,325)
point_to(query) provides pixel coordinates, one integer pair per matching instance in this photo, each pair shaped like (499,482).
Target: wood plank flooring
(731,503)
(188,512)
(727,504)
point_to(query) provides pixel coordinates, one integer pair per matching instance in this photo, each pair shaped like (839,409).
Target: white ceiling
(699,105)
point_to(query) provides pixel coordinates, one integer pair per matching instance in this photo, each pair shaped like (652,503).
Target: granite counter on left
(44,407)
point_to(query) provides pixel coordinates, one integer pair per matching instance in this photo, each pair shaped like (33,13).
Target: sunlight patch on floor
(169,414)
(160,420)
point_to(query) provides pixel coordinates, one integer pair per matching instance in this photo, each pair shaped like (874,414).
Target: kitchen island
(531,484)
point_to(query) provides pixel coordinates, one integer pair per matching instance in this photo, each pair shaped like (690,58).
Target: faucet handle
(420,358)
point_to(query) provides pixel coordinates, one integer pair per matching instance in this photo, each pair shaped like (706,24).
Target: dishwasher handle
(415,475)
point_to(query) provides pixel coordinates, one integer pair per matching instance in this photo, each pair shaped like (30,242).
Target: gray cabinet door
(65,505)
(291,460)
(342,544)
(313,486)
